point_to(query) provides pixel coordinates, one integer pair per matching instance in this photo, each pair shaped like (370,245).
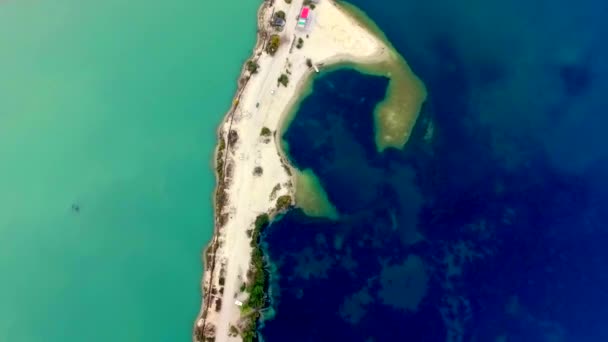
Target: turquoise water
(111,105)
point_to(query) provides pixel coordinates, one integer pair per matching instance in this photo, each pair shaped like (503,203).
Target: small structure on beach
(278,23)
(304,18)
(278,20)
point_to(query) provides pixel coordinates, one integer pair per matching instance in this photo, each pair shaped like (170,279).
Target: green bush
(260,223)
(257,281)
(252,66)
(300,43)
(283,203)
(266,132)
(250,334)
(220,157)
(273,44)
(283,79)
(280,14)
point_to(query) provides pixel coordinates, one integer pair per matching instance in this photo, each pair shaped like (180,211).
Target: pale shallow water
(110,105)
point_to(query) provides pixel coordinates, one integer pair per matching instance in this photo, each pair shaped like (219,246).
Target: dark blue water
(493,227)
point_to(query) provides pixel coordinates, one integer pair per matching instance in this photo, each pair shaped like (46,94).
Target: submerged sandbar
(396,115)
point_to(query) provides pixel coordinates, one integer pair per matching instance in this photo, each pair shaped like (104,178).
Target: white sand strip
(334,36)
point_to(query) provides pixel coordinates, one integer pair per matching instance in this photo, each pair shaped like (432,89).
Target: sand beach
(252,173)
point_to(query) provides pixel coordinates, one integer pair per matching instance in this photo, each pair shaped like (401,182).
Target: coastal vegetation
(211,253)
(219,165)
(257,281)
(252,66)
(310,4)
(260,223)
(258,171)
(283,79)
(233,137)
(266,132)
(285,167)
(221,197)
(233,331)
(266,135)
(287,1)
(273,44)
(249,333)
(300,43)
(280,14)
(309,62)
(242,81)
(283,203)
(273,193)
